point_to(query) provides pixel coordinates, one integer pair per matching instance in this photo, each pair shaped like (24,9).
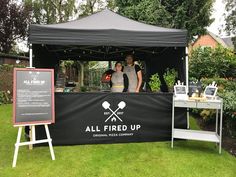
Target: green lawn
(188,158)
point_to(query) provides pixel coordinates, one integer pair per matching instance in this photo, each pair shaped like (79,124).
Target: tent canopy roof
(109,29)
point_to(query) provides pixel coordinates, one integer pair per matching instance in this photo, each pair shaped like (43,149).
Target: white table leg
(49,142)
(172,126)
(217,113)
(188,126)
(217,117)
(17,147)
(221,119)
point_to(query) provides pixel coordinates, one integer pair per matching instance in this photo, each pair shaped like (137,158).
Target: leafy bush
(227,91)
(170,77)
(207,114)
(229,111)
(6,82)
(155,82)
(212,62)
(4,97)
(219,65)
(83,89)
(222,83)
(229,103)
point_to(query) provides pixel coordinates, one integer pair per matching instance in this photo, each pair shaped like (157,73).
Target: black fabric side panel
(148,114)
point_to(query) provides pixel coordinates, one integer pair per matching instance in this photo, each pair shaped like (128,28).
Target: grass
(188,158)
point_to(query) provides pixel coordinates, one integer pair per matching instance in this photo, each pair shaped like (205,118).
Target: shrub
(198,61)
(229,111)
(155,82)
(169,77)
(223,83)
(207,114)
(4,97)
(212,62)
(6,81)
(227,91)
(229,103)
(219,65)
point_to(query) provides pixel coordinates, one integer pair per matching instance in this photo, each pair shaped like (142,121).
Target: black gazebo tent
(108,29)
(108,36)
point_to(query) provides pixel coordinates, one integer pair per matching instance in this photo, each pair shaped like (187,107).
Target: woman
(134,74)
(119,80)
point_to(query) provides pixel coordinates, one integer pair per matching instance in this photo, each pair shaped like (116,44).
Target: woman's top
(119,82)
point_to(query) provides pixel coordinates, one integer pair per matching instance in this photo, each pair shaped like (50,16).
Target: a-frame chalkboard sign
(33,104)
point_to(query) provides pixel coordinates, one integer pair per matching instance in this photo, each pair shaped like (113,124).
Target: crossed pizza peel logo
(106,105)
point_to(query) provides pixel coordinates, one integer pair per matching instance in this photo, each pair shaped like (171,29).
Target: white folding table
(211,136)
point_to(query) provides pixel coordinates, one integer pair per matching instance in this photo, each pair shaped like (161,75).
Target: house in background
(13,59)
(211,40)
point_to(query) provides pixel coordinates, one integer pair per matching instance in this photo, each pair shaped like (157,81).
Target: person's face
(129,60)
(118,67)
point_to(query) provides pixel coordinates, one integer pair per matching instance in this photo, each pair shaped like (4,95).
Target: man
(134,74)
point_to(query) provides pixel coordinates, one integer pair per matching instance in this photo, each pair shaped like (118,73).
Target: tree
(111,4)
(212,62)
(230,18)
(14,22)
(88,7)
(51,11)
(184,14)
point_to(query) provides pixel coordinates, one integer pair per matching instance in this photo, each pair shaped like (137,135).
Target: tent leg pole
(187,81)
(186,67)
(30,56)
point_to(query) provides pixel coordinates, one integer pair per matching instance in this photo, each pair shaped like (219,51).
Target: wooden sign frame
(15,123)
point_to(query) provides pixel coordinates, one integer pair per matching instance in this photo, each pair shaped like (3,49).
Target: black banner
(88,118)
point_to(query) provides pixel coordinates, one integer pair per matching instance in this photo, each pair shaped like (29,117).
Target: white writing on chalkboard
(34,82)
(27,98)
